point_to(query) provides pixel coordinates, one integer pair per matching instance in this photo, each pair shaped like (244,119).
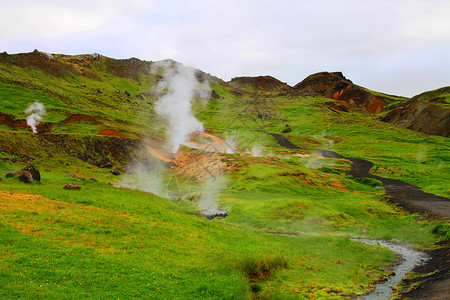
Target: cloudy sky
(400,47)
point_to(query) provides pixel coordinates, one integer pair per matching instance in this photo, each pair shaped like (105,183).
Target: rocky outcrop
(427,113)
(348,96)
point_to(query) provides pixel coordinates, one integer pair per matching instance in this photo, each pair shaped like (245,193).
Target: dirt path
(414,200)
(408,196)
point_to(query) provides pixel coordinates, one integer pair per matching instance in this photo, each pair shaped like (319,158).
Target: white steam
(147,178)
(175,106)
(256,151)
(210,195)
(36,111)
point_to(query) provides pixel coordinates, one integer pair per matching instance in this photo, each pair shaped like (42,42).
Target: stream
(410,259)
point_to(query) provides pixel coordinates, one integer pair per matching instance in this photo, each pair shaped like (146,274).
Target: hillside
(189,187)
(267,84)
(428,112)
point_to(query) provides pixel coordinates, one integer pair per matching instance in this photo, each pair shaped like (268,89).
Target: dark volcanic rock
(287,129)
(34,172)
(116,172)
(214,95)
(11,174)
(213,213)
(25,177)
(72,186)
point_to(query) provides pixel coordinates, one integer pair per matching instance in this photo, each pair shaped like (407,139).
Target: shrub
(442,229)
(368,181)
(261,268)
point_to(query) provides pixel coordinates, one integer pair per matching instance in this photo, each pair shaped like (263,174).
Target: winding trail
(406,195)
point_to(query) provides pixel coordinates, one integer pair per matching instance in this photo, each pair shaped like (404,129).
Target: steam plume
(210,195)
(256,151)
(175,106)
(147,178)
(35,111)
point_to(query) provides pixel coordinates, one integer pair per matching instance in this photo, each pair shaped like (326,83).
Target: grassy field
(106,242)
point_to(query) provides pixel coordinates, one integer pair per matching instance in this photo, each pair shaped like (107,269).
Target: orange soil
(80,117)
(339,185)
(112,132)
(158,154)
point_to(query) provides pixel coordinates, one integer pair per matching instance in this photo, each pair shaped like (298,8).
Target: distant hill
(260,83)
(428,112)
(348,95)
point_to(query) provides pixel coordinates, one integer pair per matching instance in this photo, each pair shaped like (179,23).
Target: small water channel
(409,260)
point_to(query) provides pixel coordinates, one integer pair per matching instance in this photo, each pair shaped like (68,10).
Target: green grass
(116,243)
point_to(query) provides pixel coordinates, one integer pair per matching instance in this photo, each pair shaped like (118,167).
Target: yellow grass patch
(68,222)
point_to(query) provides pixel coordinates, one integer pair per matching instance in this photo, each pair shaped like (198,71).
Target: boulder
(93,179)
(34,172)
(25,176)
(287,129)
(212,213)
(72,186)
(11,174)
(116,172)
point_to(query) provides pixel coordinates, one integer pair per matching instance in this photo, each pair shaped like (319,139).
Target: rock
(214,95)
(287,129)
(47,170)
(104,163)
(93,179)
(364,230)
(72,186)
(11,174)
(36,175)
(212,213)
(116,172)
(25,176)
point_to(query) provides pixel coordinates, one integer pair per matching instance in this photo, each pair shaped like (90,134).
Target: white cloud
(44,20)
(425,19)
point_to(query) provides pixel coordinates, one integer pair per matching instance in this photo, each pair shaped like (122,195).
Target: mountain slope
(428,112)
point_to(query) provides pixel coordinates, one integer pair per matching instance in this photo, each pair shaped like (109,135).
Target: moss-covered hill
(291,211)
